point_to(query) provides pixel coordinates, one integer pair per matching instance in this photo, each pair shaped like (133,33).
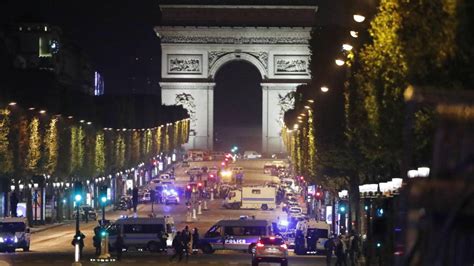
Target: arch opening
(238,106)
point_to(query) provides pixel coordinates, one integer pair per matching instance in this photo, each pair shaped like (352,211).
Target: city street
(54,245)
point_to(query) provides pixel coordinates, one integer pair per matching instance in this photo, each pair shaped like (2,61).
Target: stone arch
(234,57)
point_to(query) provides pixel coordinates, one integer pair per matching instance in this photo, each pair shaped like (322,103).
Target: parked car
(91,213)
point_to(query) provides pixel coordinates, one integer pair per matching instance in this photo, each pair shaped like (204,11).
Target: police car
(239,234)
(14,234)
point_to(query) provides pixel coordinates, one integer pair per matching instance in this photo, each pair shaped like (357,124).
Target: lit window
(44,47)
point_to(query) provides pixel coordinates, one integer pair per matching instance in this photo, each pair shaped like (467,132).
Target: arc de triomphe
(193,50)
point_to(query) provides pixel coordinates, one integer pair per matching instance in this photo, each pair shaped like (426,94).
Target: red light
(189,187)
(260,244)
(223,164)
(301,177)
(199,184)
(318,194)
(283,246)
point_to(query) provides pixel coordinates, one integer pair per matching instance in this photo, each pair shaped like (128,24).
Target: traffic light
(103,195)
(318,194)
(342,207)
(77,191)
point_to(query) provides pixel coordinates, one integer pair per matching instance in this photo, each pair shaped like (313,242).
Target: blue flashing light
(284,223)
(379,212)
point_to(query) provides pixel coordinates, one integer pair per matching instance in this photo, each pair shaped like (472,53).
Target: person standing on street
(119,246)
(86,214)
(195,241)
(186,235)
(97,240)
(329,247)
(178,247)
(353,248)
(340,255)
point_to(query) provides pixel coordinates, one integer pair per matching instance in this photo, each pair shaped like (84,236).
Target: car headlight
(16,239)
(1,239)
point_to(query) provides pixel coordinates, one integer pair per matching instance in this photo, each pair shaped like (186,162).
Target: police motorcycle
(121,205)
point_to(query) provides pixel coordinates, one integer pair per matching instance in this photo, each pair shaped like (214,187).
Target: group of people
(185,243)
(344,247)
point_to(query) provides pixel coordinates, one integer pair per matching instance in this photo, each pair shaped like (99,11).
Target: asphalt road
(53,246)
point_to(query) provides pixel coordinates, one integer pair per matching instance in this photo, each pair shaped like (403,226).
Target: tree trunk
(354,198)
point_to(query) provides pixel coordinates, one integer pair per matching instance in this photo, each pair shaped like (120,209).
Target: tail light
(284,246)
(260,244)
(189,187)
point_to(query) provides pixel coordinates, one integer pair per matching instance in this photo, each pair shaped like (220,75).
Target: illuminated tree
(120,150)
(311,146)
(51,145)
(166,144)
(6,155)
(148,143)
(34,144)
(135,147)
(99,160)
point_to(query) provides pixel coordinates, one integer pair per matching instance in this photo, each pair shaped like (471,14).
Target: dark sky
(111,32)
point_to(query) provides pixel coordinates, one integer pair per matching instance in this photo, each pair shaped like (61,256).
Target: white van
(252,155)
(143,233)
(14,233)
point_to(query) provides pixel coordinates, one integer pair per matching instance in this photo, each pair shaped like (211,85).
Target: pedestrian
(329,247)
(178,247)
(353,248)
(195,241)
(186,236)
(119,246)
(97,240)
(340,255)
(86,214)
(164,239)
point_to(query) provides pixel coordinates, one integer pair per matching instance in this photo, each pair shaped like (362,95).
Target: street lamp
(324,89)
(412,173)
(35,197)
(354,34)
(347,47)
(339,62)
(423,171)
(358,18)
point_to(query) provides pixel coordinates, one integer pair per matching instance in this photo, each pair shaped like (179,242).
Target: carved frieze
(233,40)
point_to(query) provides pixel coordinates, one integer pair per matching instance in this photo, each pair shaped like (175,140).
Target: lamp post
(35,197)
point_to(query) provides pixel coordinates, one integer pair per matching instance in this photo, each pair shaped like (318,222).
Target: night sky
(113,33)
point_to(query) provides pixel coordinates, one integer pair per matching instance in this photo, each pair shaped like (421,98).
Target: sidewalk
(40,228)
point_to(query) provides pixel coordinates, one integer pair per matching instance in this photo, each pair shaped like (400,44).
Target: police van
(242,234)
(143,233)
(14,233)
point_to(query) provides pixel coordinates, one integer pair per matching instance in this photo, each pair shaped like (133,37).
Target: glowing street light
(339,62)
(354,33)
(324,89)
(347,47)
(358,18)
(12,104)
